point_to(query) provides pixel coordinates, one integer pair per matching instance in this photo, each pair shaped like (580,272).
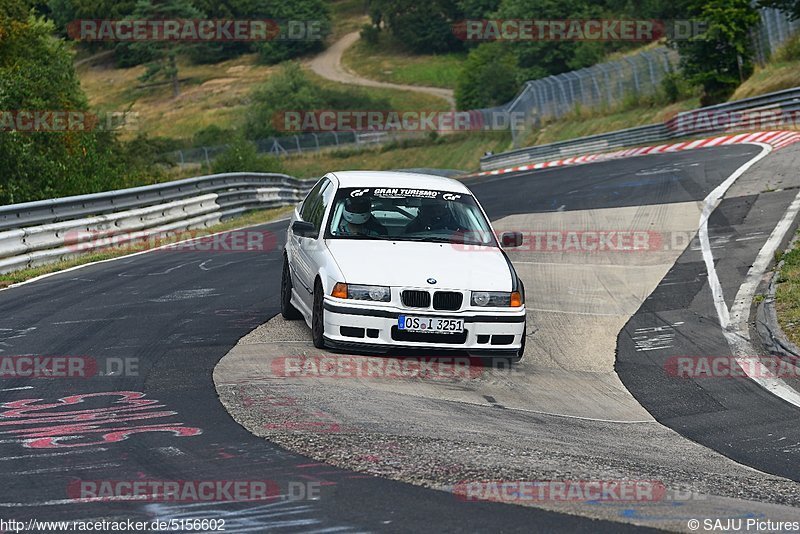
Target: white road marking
(171,451)
(64,468)
(655,337)
(93,320)
(734,321)
(738,335)
(57,502)
(17,389)
(52,454)
(186,294)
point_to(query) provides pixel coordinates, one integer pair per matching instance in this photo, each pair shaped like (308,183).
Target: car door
(310,249)
(298,266)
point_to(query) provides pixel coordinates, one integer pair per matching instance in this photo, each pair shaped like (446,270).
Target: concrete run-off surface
(561,414)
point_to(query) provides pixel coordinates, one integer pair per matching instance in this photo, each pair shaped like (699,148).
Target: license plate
(433,325)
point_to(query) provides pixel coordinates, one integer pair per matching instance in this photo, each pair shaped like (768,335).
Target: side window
(317,210)
(311,199)
(327,197)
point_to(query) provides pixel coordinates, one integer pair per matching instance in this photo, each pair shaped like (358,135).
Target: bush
(291,90)
(211,136)
(242,156)
(370,34)
(790,50)
(670,87)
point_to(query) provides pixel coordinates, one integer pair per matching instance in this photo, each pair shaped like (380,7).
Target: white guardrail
(47,231)
(756,113)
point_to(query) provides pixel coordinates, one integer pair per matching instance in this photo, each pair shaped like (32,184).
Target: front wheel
(318,318)
(288,311)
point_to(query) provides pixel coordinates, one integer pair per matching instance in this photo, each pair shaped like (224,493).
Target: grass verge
(387,62)
(457,151)
(251,218)
(216,94)
(787,295)
(781,72)
(583,123)
(398,99)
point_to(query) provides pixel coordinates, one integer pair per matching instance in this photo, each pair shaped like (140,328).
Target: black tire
(318,318)
(288,311)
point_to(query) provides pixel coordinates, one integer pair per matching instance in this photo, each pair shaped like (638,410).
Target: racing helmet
(357,210)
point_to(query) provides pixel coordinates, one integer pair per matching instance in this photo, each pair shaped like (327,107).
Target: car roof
(398,179)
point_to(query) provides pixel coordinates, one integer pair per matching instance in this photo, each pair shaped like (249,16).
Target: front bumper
(374,328)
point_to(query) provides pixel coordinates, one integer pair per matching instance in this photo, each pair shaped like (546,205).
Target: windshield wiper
(430,239)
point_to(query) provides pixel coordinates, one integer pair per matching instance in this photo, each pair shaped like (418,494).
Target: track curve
(179,313)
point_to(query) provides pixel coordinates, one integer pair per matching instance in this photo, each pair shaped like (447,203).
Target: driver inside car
(433,216)
(357,218)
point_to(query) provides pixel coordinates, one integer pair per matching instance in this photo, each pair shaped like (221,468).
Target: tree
(487,78)
(62,12)
(536,59)
(720,58)
(313,12)
(421,27)
(36,73)
(478,9)
(164,64)
(220,51)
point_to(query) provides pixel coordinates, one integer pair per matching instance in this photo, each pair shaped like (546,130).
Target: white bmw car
(376,261)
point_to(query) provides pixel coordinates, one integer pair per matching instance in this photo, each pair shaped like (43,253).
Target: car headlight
(497,299)
(361,292)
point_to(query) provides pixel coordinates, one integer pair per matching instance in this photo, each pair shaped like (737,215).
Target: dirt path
(328,64)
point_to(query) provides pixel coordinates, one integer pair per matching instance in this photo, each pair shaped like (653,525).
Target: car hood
(411,264)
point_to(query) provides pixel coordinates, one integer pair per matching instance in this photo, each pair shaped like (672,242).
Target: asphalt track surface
(176,313)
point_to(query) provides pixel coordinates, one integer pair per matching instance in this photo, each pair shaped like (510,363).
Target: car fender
(329,273)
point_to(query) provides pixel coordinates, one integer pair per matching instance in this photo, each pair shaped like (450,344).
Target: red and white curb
(777,140)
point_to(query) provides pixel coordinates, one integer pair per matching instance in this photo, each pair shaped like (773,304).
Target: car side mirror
(511,239)
(304,229)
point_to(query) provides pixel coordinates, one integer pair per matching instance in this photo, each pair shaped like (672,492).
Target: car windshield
(401,214)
